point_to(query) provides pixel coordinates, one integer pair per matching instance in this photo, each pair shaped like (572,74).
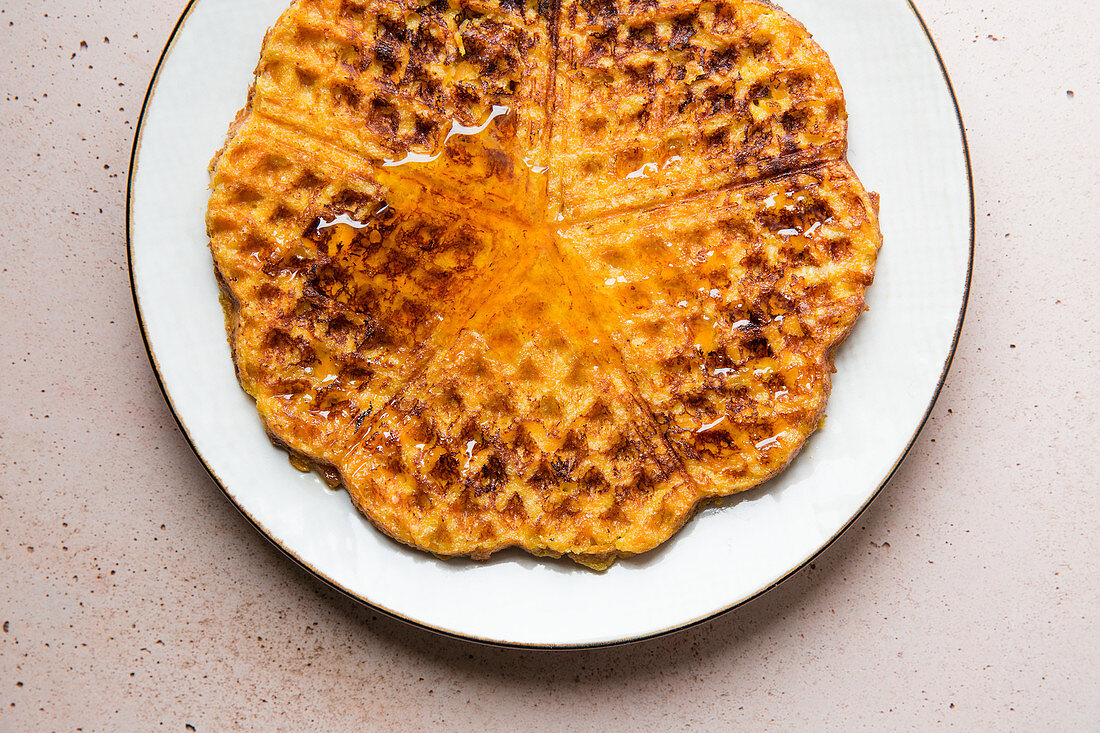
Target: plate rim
(320,576)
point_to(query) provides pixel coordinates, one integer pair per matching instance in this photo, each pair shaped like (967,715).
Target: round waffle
(540,275)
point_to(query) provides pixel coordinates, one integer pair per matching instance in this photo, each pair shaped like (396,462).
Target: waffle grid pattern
(509,338)
(661,99)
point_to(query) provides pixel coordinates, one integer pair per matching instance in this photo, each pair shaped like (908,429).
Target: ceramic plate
(906,143)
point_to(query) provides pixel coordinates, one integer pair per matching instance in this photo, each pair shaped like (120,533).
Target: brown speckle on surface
(980,614)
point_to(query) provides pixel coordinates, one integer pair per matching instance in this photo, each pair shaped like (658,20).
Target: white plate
(906,142)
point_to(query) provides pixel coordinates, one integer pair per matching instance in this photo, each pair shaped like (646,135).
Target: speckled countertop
(134,597)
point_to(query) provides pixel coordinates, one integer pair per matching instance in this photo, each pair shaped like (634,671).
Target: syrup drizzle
(457,128)
(768,443)
(535,168)
(711,426)
(644,171)
(348,220)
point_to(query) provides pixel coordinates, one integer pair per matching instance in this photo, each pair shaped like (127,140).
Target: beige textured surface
(133,596)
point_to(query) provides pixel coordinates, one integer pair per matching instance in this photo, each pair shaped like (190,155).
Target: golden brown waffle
(660,99)
(539,275)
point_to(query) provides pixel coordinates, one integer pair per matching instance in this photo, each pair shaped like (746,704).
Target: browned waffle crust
(540,275)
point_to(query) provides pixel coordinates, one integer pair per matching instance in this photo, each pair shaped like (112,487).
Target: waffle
(539,275)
